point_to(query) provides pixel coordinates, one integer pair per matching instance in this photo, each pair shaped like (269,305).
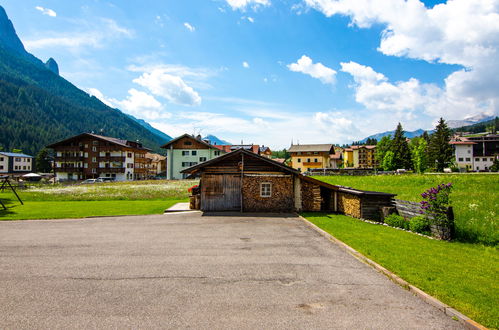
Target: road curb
(451,312)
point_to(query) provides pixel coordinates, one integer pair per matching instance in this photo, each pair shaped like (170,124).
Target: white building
(476,153)
(12,163)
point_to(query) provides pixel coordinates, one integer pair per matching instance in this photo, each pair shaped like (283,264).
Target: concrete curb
(451,312)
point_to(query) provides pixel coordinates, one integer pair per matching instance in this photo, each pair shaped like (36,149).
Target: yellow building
(360,157)
(305,157)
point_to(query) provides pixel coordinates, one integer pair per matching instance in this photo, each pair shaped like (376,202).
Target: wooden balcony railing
(317,164)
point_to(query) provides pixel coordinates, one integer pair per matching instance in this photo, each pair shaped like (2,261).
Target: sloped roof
(120,142)
(311,148)
(236,152)
(190,137)
(15,154)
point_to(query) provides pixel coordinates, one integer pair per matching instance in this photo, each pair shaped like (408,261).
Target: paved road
(189,271)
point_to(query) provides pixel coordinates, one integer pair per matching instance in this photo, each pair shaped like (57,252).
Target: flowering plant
(435,202)
(192,188)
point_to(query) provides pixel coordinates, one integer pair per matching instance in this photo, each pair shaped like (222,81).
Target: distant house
(336,159)
(186,151)
(265,152)
(12,163)
(89,155)
(247,182)
(476,153)
(155,165)
(305,157)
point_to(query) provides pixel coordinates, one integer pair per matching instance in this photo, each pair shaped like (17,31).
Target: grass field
(104,199)
(462,275)
(475,198)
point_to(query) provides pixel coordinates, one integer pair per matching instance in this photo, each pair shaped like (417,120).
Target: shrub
(420,225)
(395,220)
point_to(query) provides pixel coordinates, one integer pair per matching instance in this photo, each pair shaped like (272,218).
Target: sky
(272,72)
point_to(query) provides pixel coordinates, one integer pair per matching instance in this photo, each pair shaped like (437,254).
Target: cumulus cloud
(171,87)
(318,70)
(189,27)
(458,32)
(246,65)
(46,11)
(243,4)
(96,34)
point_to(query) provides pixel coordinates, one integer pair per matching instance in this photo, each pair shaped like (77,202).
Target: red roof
(462,142)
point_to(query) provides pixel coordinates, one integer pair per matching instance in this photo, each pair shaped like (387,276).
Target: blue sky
(269,71)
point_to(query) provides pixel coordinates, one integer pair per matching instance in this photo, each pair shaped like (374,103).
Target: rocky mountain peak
(51,64)
(8,35)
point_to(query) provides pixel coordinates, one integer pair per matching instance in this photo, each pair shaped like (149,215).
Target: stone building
(246,182)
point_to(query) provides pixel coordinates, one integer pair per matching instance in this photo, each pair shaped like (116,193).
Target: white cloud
(246,65)
(171,87)
(98,94)
(189,27)
(458,32)
(317,70)
(46,11)
(250,19)
(243,4)
(95,35)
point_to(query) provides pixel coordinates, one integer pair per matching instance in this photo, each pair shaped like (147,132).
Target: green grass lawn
(105,199)
(475,198)
(462,275)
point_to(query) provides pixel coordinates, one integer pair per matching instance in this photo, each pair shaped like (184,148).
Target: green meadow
(100,199)
(475,198)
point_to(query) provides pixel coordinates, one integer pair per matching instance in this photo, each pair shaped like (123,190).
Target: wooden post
(242,175)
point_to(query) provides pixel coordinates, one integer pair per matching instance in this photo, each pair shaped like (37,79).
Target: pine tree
(400,149)
(439,150)
(42,162)
(381,149)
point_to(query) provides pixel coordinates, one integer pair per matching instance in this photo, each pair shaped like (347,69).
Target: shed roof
(312,147)
(219,159)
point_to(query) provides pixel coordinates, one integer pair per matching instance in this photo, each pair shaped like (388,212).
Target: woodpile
(310,196)
(281,199)
(349,204)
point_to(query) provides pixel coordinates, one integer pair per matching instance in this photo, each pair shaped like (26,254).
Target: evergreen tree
(371,141)
(381,148)
(439,150)
(42,162)
(426,136)
(400,149)
(388,161)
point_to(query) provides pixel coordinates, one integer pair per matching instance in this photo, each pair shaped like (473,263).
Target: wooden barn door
(221,193)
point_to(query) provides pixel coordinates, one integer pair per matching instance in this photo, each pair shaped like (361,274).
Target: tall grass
(136,190)
(475,198)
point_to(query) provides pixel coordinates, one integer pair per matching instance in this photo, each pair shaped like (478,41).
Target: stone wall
(349,204)
(310,196)
(282,199)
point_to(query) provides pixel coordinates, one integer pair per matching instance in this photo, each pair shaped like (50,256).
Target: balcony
(315,164)
(111,159)
(111,170)
(69,158)
(66,168)
(141,160)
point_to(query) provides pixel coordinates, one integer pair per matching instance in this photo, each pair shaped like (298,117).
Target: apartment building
(186,151)
(305,157)
(12,163)
(360,156)
(90,155)
(476,153)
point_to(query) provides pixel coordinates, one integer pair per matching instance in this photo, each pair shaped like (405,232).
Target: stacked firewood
(311,197)
(349,205)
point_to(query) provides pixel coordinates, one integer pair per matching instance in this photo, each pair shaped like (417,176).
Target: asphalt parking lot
(193,271)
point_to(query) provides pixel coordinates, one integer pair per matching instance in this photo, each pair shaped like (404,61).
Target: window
(299,160)
(316,160)
(1,159)
(24,167)
(185,153)
(18,159)
(316,153)
(1,167)
(94,170)
(185,164)
(28,160)
(308,160)
(94,159)
(217,153)
(265,189)
(94,149)
(187,143)
(484,159)
(95,143)
(492,159)
(202,159)
(86,146)
(468,159)
(469,151)
(129,155)
(477,159)
(194,152)
(460,159)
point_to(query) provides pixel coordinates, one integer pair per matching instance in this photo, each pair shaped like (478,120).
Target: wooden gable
(188,142)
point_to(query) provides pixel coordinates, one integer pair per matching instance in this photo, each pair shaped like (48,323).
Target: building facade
(12,163)
(476,153)
(89,155)
(186,151)
(306,157)
(156,165)
(360,156)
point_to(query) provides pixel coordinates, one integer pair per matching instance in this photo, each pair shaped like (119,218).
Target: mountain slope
(409,135)
(214,140)
(38,107)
